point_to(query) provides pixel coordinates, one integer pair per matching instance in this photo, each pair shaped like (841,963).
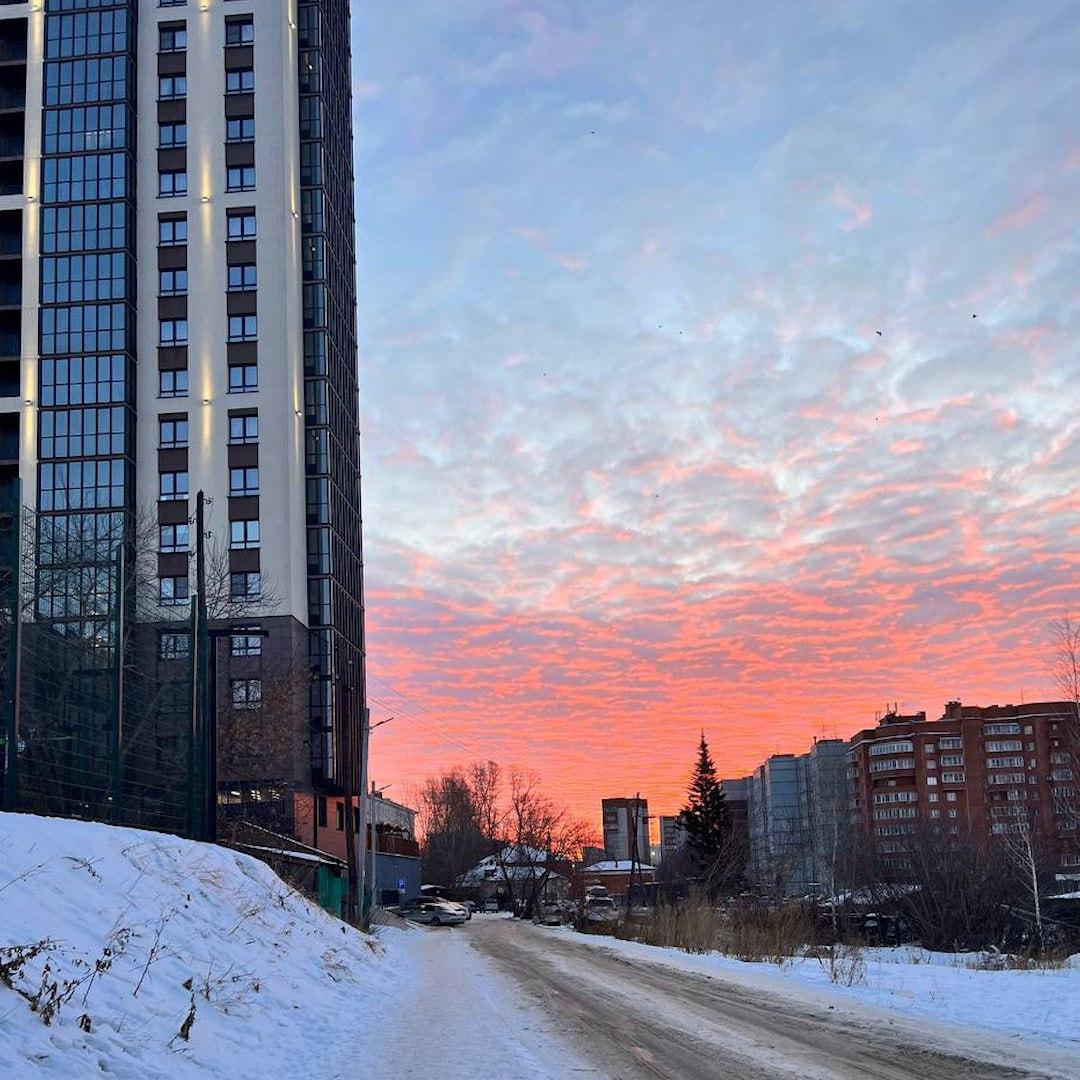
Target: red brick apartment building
(972,768)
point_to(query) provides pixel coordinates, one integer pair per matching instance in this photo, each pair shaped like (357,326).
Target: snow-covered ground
(943,987)
(167,958)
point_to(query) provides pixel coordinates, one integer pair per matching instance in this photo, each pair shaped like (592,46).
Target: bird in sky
(974,316)
(879,333)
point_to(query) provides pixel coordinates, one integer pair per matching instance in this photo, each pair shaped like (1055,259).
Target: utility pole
(365,735)
(116,776)
(207,703)
(354,898)
(11,547)
(633,851)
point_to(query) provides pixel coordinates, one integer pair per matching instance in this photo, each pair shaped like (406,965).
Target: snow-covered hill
(140,955)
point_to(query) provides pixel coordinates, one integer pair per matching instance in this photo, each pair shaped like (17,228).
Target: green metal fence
(99,687)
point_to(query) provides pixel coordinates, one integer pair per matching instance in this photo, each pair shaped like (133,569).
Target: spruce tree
(707,825)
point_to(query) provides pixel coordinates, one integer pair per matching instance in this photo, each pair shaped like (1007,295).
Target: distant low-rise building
(616,876)
(516,872)
(394,869)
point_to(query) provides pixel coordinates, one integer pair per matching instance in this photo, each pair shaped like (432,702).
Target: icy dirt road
(630,1019)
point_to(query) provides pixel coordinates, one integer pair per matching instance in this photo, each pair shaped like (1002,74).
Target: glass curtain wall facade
(85,408)
(332,450)
(86,351)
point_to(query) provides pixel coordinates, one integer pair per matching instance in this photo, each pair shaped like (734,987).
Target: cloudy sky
(719,368)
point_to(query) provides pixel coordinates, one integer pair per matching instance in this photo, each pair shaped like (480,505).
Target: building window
(172,230)
(170,135)
(246,645)
(952,778)
(240,129)
(172,37)
(242,277)
(243,327)
(320,809)
(931,781)
(951,742)
(1005,778)
(174,539)
(897,746)
(173,590)
(950,796)
(172,183)
(892,764)
(244,481)
(240,81)
(244,534)
(933,797)
(172,433)
(240,178)
(243,429)
(246,693)
(1061,774)
(173,486)
(1001,729)
(172,282)
(173,383)
(171,87)
(241,224)
(246,586)
(174,646)
(243,378)
(998,746)
(239,30)
(173,332)
(952,759)
(1011,762)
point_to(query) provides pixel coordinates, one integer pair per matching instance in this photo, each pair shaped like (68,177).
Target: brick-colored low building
(977,769)
(615,876)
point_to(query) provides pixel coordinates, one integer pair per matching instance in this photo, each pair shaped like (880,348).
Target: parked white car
(433,912)
(600,909)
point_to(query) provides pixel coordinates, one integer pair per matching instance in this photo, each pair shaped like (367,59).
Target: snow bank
(942,987)
(164,957)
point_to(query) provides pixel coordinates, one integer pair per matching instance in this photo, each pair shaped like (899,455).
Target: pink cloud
(859,213)
(1020,216)
(573,264)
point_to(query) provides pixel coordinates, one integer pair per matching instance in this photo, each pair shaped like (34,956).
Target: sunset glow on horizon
(718,372)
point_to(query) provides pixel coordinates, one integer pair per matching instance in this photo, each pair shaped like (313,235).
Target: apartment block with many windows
(177,315)
(982,771)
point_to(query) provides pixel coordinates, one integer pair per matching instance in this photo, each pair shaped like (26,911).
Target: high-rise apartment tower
(177,314)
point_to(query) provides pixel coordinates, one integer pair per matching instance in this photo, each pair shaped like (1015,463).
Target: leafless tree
(1024,842)
(540,836)
(459,819)
(1065,671)
(948,883)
